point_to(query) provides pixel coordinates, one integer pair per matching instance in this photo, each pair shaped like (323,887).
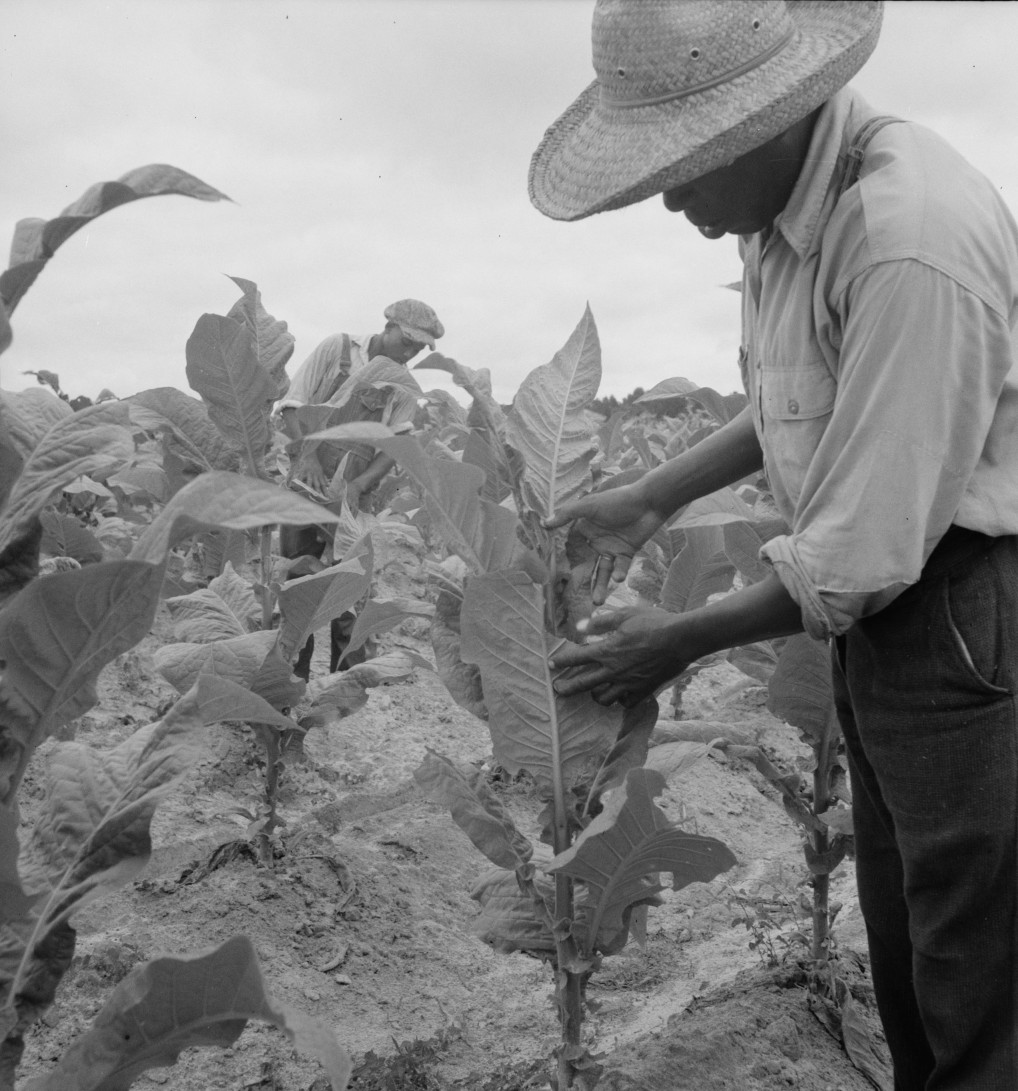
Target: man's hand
(640,653)
(616,522)
(309,470)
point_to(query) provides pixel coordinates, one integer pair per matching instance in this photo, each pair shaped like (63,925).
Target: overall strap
(857,148)
(345,356)
(343,371)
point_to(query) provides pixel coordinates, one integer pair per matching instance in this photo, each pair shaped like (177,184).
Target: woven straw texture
(687,86)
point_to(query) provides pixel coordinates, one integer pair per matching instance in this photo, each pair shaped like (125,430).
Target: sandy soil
(365,922)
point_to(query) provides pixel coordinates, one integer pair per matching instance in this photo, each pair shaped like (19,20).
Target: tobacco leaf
(64,536)
(723,506)
(483,534)
(223,500)
(204,616)
(218,699)
(56,635)
(548,426)
(238,659)
(743,542)
(475,809)
(36,240)
(223,367)
(170,1004)
(509,919)
(462,680)
(190,435)
(531,727)
(619,855)
(799,691)
(700,570)
(342,693)
(95,440)
(27,415)
(273,342)
(142,475)
(92,834)
(310,602)
(381,615)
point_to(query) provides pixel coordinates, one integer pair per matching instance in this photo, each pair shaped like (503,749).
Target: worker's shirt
(322,373)
(879,357)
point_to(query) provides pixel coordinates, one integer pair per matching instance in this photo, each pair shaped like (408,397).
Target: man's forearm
(379,466)
(726,456)
(761,611)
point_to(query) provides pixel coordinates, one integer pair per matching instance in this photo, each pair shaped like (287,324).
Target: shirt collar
(801,218)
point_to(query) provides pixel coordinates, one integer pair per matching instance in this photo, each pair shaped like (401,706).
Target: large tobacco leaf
(95,440)
(226,608)
(64,536)
(191,436)
(548,424)
(273,342)
(170,1004)
(378,616)
(342,693)
(531,727)
(223,367)
(55,638)
(462,680)
(238,659)
(92,834)
(619,855)
(478,531)
(743,542)
(27,415)
(227,501)
(510,918)
(799,691)
(475,809)
(485,446)
(311,602)
(36,240)
(700,570)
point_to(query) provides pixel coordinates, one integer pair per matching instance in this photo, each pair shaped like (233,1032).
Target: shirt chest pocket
(796,404)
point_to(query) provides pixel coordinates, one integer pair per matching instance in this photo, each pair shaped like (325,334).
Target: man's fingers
(594,676)
(568,654)
(565,514)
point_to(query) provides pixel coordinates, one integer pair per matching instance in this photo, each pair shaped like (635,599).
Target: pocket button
(793,405)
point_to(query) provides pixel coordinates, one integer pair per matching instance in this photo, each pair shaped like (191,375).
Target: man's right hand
(616,523)
(309,470)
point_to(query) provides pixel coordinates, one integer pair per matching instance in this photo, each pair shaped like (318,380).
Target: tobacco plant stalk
(821,839)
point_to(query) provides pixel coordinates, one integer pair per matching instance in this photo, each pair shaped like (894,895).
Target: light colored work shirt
(879,356)
(318,378)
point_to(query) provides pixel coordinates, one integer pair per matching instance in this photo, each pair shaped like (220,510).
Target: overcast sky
(377,149)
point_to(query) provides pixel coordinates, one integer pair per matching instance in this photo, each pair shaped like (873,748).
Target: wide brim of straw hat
(597,157)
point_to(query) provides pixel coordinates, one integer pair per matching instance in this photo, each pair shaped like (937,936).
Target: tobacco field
(426,870)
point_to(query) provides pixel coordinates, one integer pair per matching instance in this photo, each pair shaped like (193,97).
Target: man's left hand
(640,652)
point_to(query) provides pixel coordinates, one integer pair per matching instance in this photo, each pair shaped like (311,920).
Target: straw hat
(687,86)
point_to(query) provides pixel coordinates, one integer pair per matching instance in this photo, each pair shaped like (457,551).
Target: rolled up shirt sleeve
(922,364)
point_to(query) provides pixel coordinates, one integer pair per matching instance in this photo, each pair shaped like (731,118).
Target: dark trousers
(925,692)
(310,541)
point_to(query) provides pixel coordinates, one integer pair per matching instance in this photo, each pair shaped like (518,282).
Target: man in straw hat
(879,307)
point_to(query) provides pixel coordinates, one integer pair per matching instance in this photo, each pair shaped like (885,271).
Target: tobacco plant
(707,549)
(57,633)
(514,594)
(250,630)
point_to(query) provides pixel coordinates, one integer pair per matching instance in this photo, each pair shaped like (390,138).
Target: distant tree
(609,403)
